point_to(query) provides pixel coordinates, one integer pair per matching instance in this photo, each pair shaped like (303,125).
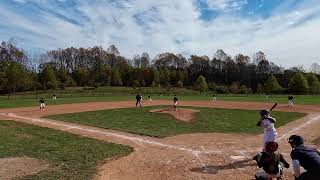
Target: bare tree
(315,68)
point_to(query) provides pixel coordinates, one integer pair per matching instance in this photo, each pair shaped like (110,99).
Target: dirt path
(187,156)
(20,166)
(181,114)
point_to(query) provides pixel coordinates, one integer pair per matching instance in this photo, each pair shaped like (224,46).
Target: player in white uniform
(214,98)
(269,131)
(42,104)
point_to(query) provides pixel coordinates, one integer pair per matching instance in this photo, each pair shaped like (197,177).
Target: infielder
(175,103)
(150,99)
(214,98)
(138,100)
(42,104)
(267,123)
(290,101)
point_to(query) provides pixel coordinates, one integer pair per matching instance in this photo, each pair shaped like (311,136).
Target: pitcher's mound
(20,166)
(182,114)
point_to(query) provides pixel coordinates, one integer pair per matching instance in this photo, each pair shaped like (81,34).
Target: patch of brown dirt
(181,114)
(20,166)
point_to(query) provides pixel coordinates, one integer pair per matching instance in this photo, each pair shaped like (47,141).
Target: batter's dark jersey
(41,101)
(175,99)
(308,158)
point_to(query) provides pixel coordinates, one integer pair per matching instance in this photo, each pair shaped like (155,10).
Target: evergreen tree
(272,85)
(298,84)
(314,84)
(116,78)
(201,84)
(49,78)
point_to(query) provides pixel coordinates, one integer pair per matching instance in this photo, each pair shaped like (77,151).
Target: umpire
(308,158)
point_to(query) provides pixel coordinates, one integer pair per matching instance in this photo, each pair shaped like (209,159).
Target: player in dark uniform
(271,162)
(138,99)
(308,158)
(175,103)
(290,100)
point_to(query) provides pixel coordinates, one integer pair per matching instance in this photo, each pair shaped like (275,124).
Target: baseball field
(107,137)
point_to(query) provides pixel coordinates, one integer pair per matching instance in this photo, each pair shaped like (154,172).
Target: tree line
(94,67)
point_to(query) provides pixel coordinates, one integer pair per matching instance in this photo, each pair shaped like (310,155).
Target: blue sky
(286,30)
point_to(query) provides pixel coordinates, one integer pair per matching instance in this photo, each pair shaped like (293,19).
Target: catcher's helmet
(264,112)
(271,146)
(296,140)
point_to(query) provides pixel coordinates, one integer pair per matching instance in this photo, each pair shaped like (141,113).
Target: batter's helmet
(264,112)
(296,140)
(271,146)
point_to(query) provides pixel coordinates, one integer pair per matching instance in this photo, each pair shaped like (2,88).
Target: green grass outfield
(141,121)
(32,100)
(70,156)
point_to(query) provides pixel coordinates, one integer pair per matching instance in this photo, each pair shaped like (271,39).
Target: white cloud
(226,5)
(20,1)
(169,25)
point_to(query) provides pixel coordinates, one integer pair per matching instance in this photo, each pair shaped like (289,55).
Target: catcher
(272,163)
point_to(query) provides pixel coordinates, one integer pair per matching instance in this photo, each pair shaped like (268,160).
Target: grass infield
(70,156)
(208,120)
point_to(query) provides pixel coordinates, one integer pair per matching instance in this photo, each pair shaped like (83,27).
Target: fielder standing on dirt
(290,101)
(175,103)
(42,104)
(214,98)
(138,100)
(267,123)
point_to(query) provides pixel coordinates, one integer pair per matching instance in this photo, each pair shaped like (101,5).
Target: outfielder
(267,123)
(42,104)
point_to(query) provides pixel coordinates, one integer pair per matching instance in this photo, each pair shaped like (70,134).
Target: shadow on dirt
(212,169)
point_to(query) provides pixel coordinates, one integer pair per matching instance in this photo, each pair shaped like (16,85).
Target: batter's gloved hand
(259,123)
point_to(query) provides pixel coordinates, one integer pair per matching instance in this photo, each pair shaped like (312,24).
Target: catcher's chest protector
(271,162)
